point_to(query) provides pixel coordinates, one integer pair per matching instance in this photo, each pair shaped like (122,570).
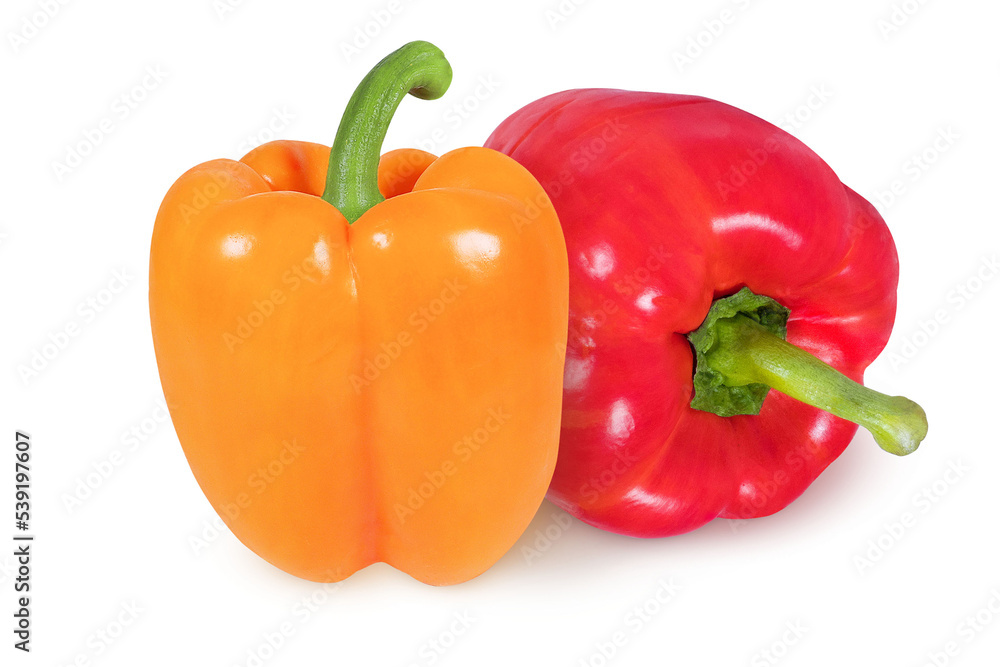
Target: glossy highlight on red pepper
(670,203)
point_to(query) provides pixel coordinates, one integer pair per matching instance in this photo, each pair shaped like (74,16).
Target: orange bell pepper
(356,380)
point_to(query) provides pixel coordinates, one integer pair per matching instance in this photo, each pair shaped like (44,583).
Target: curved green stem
(745,352)
(417,68)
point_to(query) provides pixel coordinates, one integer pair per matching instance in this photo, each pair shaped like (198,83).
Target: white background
(232,78)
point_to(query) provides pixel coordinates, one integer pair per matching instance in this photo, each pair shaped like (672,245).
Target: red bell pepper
(688,218)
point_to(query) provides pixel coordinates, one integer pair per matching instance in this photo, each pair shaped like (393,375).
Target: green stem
(746,353)
(417,68)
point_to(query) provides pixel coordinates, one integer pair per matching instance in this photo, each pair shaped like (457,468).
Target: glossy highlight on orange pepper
(356,380)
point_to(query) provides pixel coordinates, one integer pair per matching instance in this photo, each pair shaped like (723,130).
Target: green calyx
(417,68)
(711,391)
(741,354)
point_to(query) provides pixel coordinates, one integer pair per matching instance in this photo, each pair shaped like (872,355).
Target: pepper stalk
(418,68)
(741,355)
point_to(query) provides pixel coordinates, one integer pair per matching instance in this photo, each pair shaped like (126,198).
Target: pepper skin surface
(669,202)
(383,386)
(382,391)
